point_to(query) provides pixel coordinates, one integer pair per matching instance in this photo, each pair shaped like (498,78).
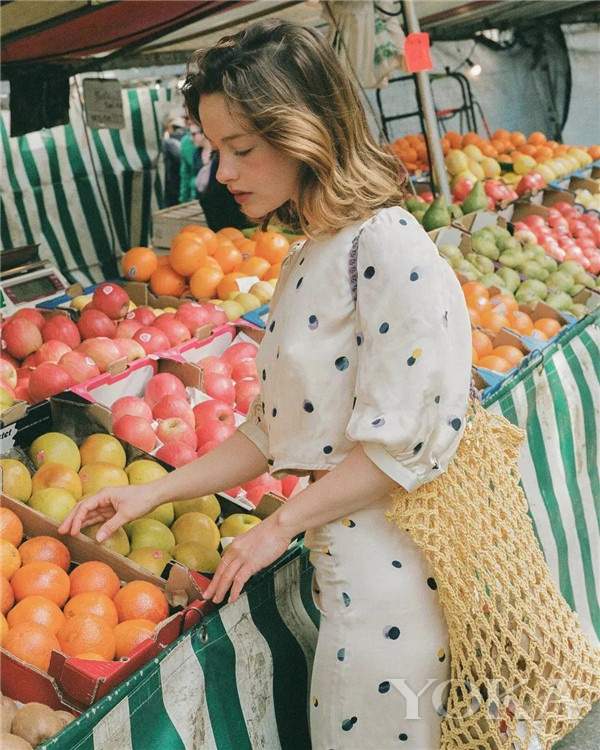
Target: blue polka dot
(299,282)
(264,374)
(417,448)
(301,261)
(396,563)
(379,422)
(431,582)
(414,275)
(354,402)
(391,632)
(315,701)
(308,406)
(272,326)
(341,654)
(313,322)
(410,361)
(346,599)
(384,687)
(446,319)
(437,399)
(369,272)
(384,328)
(456,423)
(403,222)
(347,724)
(403,737)
(342,363)
(327,450)
(359,339)
(270,461)
(274,412)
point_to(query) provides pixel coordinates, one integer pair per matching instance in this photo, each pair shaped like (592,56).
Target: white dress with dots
(368,341)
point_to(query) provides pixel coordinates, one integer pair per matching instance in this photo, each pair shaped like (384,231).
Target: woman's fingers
(78,517)
(239,581)
(109,528)
(223,579)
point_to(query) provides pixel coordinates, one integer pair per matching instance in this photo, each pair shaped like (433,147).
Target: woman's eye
(243,153)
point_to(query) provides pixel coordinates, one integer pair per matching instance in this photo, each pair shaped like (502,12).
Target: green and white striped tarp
(240,679)
(85,200)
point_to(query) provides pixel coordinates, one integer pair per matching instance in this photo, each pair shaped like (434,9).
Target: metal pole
(436,155)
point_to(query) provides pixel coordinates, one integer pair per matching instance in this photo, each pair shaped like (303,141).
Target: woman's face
(260,177)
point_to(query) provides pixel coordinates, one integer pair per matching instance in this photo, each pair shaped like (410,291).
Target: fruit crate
(167,222)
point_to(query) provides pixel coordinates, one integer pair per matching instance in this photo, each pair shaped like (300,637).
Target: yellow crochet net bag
(522,672)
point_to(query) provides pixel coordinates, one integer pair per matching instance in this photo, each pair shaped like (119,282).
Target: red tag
(416,52)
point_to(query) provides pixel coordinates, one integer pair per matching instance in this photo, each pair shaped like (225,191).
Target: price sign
(7,438)
(417,52)
(103,103)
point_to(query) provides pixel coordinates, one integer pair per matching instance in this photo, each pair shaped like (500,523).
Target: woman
(365,375)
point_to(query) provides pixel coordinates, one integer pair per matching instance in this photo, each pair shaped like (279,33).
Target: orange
(474,316)
(230,233)
(454,138)
(204,283)
(3,629)
(254,266)
(140,599)
(246,247)
(166,281)
(210,262)
(594,152)
(228,256)
(130,634)
(520,322)
(488,150)
(39,610)
(91,656)
(92,603)
(469,139)
(510,353)
(7,596)
(517,138)
(474,287)
(273,272)
(81,634)
(272,246)
(41,578)
(548,326)
(32,643)
(94,576)
(206,235)
(560,149)
(499,146)
(537,334)
(528,149)
(229,284)
(504,303)
(497,364)
(445,145)
(481,343)
(543,153)
(187,253)
(479,302)
(537,138)
(501,134)
(474,357)
(46,549)
(493,321)
(10,559)
(11,527)
(163,260)
(139,263)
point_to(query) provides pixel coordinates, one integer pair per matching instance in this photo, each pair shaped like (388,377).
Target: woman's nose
(225,171)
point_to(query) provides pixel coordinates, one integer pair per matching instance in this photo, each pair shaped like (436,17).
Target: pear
(151,558)
(197,556)
(117,542)
(147,532)
(533,270)
(437,215)
(559,300)
(578,310)
(492,279)
(548,263)
(481,263)
(486,247)
(208,504)
(511,258)
(510,278)
(450,252)
(538,288)
(476,200)
(575,289)
(560,281)
(415,204)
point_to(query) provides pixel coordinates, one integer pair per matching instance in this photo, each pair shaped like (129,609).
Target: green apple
(147,532)
(196,527)
(237,524)
(208,504)
(144,471)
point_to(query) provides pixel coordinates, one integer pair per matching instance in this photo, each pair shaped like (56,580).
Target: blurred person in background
(195,151)
(175,130)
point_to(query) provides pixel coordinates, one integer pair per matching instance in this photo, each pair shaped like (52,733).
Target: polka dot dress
(368,341)
(382,663)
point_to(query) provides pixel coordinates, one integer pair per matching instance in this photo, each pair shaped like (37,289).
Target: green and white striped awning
(85,195)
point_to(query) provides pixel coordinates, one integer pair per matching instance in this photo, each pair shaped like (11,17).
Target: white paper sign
(103,103)
(7,438)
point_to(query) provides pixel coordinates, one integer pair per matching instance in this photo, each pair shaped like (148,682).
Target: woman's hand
(112,507)
(249,553)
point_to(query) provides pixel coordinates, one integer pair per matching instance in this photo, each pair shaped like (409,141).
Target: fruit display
(589,197)
(26,726)
(519,267)
(208,265)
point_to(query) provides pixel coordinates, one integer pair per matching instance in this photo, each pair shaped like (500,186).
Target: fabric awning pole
(436,155)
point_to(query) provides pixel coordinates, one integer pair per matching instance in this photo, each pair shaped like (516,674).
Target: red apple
(219,386)
(32,315)
(79,366)
(241,350)
(47,380)
(215,364)
(210,410)
(174,407)
(112,300)
(144,315)
(31,361)
(208,447)
(161,385)
(193,315)
(260,486)
(127,328)
(130,349)
(234,491)
(21,336)
(176,429)
(7,358)
(217,316)
(132,405)
(94,323)
(244,368)
(176,331)
(135,430)
(245,393)
(22,389)
(152,339)
(214,430)
(533,220)
(61,328)
(462,187)
(102,350)
(52,351)
(289,484)
(8,373)
(176,454)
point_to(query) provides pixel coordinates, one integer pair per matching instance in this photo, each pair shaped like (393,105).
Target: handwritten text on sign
(103,103)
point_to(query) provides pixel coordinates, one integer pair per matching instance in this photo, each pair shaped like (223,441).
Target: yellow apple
(103,449)
(237,524)
(196,527)
(151,558)
(143,471)
(15,480)
(208,504)
(95,477)
(54,447)
(196,556)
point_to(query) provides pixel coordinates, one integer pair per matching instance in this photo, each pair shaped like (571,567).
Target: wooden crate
(168,221)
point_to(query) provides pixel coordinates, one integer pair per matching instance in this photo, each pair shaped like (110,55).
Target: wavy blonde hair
(286,81)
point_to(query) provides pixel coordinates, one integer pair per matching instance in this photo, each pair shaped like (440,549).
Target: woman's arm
(355,483)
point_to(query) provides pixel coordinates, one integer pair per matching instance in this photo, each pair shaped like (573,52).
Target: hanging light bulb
(474,68)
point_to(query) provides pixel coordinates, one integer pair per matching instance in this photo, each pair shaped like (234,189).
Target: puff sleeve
(413,350)
(254,427)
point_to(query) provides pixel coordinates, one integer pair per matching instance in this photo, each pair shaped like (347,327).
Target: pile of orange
(207,263)
(84,614)
(412,151)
